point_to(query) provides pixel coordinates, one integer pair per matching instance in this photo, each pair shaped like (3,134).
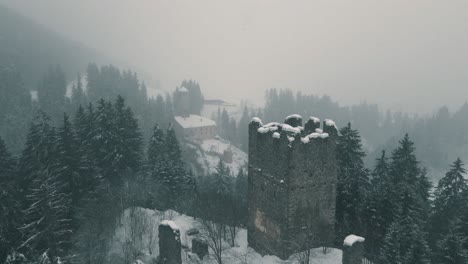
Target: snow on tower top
(183,89)
(292,127)
(351,239)
(294,120)
(294,116)
(257,120)
(314,119)
(171,224)
(330,122)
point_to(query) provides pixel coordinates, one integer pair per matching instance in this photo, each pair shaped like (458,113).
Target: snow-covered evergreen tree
(353,183)
(176,179)
(450,248)
(408,179)
(376,214)
(68,160)
(405,241)
(450,202)
(37,153)
(128,139)
(222,179)
(48,225)
(10,210)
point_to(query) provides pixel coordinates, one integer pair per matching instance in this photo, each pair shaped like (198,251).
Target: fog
(406,55)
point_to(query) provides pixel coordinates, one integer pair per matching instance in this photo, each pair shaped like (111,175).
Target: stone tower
(291,184)
(182,102)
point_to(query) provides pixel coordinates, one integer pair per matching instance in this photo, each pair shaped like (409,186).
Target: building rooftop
(194,121)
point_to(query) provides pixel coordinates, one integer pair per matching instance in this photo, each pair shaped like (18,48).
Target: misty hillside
(32,48)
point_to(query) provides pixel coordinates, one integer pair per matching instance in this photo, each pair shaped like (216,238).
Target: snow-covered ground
(209,152)
(239,254)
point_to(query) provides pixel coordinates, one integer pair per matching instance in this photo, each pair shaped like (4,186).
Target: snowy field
(147,241)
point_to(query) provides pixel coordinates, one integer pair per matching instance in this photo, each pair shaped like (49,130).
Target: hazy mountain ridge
(32,48)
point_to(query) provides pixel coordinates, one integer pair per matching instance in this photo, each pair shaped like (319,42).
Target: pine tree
(156,162)
(78,96)
(68,159)
(405,241)
(450,247)
(10,214)
(450,201)
(36,155)
(449,193)
(47,221)
(353,183)
(156,148)
(408,180)
(177,179)
(222,179)
(376,213)
(103,141)
(128,138)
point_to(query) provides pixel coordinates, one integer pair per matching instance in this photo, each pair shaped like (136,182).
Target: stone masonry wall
(292,184)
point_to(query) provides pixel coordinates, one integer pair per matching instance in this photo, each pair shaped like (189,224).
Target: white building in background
(195,126)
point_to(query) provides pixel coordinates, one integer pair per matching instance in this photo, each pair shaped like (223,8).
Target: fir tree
(47,221)
(221,179)
(450,201)
(156,149)
(376,213)
(68,159)
(353,182)
(408,180)
(450,247)
(405,241)
(10,214)
(78,97)
(128,138)
(177,179)
(156,162)
(449,193)
(37,153)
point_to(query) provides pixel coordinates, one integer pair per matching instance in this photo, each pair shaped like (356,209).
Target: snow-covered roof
(171,224)
(193,121)
(351,239)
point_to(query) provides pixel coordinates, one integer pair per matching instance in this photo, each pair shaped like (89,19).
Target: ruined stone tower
(291,185)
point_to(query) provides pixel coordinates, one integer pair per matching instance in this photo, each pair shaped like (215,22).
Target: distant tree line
(440,138)
(106,82)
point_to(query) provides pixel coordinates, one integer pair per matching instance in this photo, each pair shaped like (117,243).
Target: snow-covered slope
(209,152)
(239,254)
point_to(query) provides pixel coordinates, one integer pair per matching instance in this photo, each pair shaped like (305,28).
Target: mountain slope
(33,48)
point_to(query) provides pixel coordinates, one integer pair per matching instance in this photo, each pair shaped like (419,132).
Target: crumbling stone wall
(353,249)
(199,247)
(291,184)
(169,243)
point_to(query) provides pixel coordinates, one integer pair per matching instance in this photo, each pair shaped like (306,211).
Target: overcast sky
(408,55)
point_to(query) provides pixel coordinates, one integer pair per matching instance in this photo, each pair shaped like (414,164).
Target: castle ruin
(292,178)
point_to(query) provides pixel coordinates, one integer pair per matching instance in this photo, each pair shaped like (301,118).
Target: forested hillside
(31,48)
